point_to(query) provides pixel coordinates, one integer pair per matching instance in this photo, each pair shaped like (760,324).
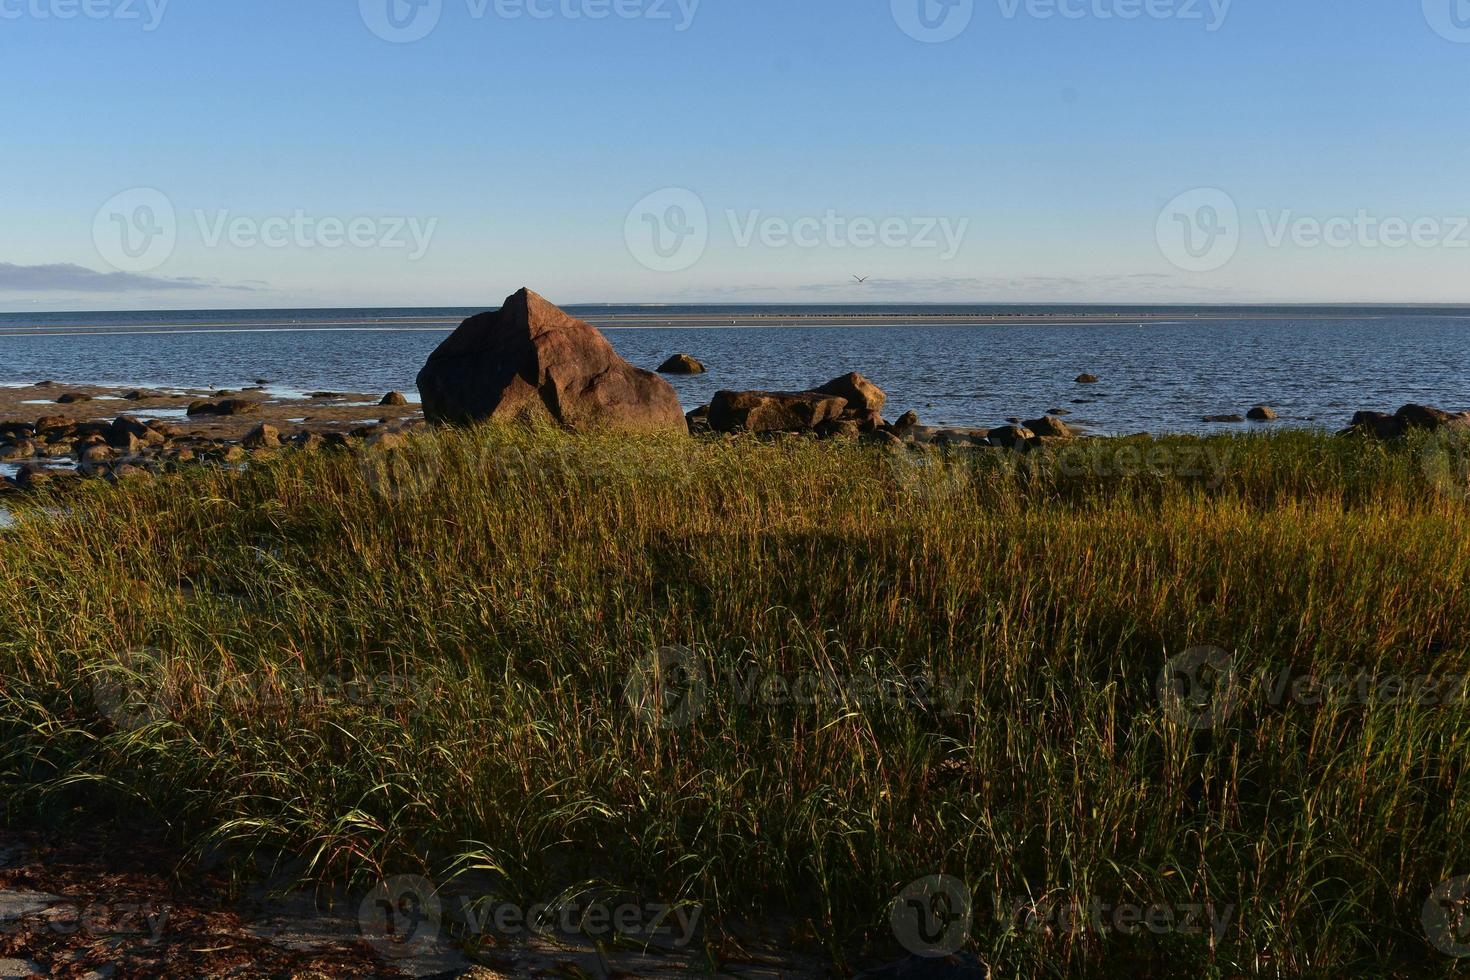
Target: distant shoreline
(705,321)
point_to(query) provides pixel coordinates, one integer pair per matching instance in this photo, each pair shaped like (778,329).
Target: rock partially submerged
(1410,418)
(1051,427)
(772,411)
(826,409)
(861,395)
(681,364)
(531,361)
(226,406)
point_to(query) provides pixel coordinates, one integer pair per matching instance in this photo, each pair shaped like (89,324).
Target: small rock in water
(1059,411)
(1261,413)
(681,364)
(1087,379)
(393,399)
(1227,419)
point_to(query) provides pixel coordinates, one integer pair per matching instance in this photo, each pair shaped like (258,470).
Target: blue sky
(283,153)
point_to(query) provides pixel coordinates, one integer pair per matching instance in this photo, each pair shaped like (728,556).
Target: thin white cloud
(66,277)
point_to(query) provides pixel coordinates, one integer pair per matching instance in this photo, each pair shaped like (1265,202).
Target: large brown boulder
(861,394)
(530,360)
(772,411)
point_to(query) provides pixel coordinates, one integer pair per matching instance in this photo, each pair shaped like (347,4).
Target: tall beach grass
(784,681)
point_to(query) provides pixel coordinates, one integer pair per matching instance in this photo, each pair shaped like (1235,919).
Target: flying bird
(862,279)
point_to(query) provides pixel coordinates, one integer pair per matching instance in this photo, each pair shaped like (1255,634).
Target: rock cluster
(53,450)
(1410,418)
(851,407)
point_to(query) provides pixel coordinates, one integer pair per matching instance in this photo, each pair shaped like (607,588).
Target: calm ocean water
(1162,369)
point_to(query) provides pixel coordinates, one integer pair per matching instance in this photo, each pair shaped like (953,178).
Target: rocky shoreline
(529,361)
(51,433)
